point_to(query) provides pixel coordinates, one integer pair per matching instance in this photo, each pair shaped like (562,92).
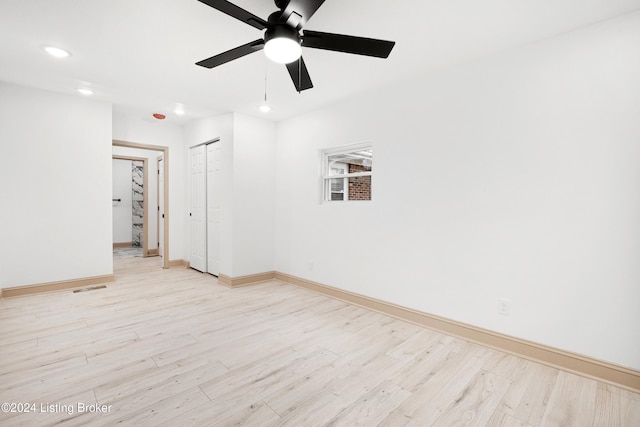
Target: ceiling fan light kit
(283,38)
(282,44)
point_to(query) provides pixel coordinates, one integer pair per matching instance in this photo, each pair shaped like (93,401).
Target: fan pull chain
(265,105)
(299,74)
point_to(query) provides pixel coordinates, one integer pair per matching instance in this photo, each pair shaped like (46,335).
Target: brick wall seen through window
(359,186)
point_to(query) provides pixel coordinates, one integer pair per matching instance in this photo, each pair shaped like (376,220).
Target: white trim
(217,139)
(347,148)
(348,175)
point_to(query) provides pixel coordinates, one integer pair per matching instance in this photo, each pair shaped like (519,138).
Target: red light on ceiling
(159,116)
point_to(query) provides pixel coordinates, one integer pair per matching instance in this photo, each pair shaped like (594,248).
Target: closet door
(197,209)
(214,165)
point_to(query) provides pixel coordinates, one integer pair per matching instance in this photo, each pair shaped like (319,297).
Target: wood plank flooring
(173,347)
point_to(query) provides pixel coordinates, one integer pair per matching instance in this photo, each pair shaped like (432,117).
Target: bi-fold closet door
(204,208)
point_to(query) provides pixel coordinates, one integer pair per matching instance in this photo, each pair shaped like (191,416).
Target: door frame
(158,160)
(145,198)
(165,154)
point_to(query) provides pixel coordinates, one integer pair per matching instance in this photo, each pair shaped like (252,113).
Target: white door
(197,219)
(213,208)
(160,206)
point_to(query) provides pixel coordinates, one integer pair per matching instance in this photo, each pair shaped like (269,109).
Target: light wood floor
(172,347)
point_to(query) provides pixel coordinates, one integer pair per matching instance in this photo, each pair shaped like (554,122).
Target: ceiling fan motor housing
(281,4)
(281,31)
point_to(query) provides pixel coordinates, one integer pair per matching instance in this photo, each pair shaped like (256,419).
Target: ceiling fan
(284,37)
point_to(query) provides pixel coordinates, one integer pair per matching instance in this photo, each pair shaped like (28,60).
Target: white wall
(122,210)
(163,133)
(247,217)
(55,181)
(253,196)
(513,177)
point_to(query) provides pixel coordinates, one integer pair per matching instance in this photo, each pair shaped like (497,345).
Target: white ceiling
(140,54)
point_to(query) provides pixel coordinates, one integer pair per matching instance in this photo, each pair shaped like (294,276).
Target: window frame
(345,182)
(327,177)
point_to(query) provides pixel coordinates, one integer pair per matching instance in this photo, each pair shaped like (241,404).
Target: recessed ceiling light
(56,51)
(85,91)
(179,110)
(264,108)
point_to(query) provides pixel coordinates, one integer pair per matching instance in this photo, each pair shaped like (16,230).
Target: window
(347,173)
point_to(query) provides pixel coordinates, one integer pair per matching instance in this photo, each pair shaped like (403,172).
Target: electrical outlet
(504,306)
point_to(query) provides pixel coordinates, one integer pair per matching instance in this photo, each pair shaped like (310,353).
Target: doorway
(131,203)
(164,232)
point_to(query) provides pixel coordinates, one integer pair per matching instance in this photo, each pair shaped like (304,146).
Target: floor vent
(91,288)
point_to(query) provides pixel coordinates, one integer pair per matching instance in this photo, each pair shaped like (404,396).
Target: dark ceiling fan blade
(232,54)
(300,75)
(236,12)
(298,12)
(348,44)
